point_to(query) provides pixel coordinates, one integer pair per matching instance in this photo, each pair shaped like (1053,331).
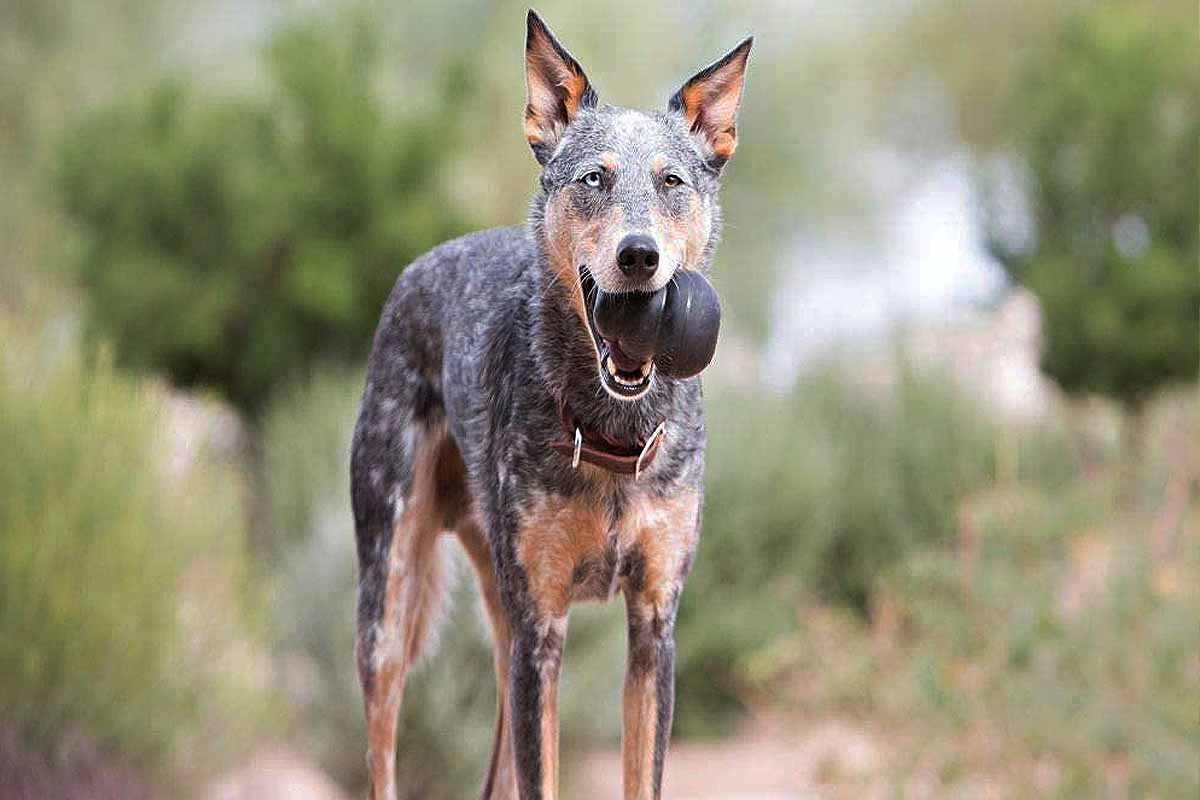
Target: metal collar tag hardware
(637,470)
(623,458)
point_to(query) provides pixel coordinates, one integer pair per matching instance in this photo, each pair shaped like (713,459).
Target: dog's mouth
(622,376)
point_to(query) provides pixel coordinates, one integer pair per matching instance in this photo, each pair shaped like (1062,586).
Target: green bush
(1044,651)
(230,241)
(1061,636)
(814,495)
(1106,121)
(113,568)
(1097,691)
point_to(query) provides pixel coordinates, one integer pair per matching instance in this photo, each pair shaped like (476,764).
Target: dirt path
(274,773)
(827,759)
(830,759)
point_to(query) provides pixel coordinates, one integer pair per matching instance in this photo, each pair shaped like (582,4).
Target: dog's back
(448,297)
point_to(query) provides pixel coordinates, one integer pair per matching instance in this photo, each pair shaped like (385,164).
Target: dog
(495,412)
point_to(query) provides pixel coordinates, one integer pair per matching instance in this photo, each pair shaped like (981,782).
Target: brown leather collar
(603,451)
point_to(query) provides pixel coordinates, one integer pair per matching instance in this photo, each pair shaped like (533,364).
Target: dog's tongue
(624,362)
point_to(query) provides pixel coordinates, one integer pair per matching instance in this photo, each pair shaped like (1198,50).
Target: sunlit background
(952,539)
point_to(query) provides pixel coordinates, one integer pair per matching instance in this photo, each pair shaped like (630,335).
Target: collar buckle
(637,468)
(605,452)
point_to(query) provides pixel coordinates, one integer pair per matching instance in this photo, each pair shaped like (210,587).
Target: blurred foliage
(1044,651)
(1106,121)
(55,57)
(230,241)
(112,577)
(44,69)
(813,495)
(943,44)
(879,554)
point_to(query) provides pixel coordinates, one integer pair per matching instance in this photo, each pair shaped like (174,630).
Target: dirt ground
(274,773)
(828,759)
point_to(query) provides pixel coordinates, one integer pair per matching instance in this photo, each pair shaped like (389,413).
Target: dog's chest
(600,575)
(578,548)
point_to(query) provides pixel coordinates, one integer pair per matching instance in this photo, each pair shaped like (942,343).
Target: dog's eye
(591,180)
(671,181)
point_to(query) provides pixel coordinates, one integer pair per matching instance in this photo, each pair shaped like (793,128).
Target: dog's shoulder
(496,255)
(466,275)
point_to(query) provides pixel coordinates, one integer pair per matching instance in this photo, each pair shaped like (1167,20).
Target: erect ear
(709,103)
(555,88)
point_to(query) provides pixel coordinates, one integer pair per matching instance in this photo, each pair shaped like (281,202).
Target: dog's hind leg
(399,594)
(500,783)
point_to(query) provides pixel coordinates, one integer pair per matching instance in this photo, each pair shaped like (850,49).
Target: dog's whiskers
(554,279)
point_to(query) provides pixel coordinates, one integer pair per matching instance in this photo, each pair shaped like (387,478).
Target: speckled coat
(482,342)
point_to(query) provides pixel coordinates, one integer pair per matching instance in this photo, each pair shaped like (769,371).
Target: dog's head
(628,197)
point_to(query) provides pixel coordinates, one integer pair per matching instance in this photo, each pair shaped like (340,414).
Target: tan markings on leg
(411,597)
(550,668)
(638,730)
(554,536)
(664,531)
(500,782)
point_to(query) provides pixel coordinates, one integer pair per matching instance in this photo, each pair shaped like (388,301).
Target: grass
(1047,649)
(811,496)
(106,635)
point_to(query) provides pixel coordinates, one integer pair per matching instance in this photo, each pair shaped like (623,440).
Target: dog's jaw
(620,384)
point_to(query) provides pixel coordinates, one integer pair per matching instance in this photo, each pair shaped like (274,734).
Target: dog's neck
(564,352)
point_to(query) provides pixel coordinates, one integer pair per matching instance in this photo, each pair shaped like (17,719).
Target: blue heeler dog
(532,391)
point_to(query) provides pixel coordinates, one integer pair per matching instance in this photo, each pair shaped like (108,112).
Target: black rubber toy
(677,326)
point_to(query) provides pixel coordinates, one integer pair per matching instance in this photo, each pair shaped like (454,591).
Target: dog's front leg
(533,704)
(649,698)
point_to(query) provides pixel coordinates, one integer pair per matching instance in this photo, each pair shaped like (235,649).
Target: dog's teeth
(623,379)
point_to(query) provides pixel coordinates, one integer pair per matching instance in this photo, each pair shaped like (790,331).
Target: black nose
(637,256)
